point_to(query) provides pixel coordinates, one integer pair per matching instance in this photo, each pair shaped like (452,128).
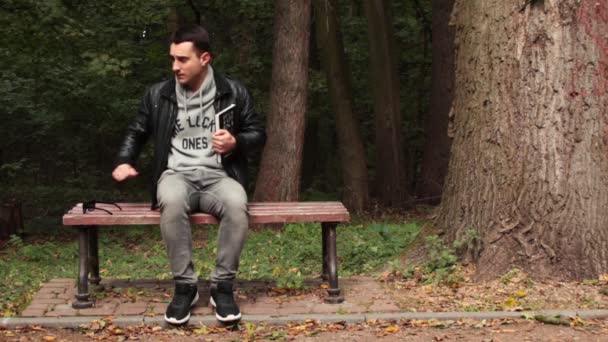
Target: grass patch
(289,255)
(23,266)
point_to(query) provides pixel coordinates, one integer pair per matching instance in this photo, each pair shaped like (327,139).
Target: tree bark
(436,152)
(530,150)
(11,219)
(350,144)
(280,168)
(390,168)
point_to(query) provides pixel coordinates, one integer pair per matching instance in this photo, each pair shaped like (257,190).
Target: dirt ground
(498,330)
(513,291)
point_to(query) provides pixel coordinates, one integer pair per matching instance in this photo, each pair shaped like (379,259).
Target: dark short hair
(192,33)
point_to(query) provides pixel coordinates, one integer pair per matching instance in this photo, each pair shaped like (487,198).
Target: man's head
(190,55)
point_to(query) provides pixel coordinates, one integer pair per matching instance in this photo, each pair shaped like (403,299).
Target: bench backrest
(259,212)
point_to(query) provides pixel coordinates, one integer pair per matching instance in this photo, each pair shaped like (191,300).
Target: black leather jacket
(156,118)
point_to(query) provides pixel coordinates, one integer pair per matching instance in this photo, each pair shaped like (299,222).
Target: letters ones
(193,122)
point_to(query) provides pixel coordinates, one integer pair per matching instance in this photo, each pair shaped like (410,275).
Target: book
(225,118)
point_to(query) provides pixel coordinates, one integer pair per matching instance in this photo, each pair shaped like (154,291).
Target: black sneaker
(178,311)
(222,300)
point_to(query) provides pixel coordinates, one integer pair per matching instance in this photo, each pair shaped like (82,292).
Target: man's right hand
(124,171)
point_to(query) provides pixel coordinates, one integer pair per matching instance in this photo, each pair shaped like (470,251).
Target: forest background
(74,72)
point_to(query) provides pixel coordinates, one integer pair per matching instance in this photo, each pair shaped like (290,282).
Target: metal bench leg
(82,296)
(334,297)
(94,256)
(325,271)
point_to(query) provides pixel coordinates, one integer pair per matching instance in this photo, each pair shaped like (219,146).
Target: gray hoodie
(191,143)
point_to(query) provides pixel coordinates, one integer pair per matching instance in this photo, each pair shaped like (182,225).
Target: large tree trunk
(436,153)
(530,153)
(390,168)
(280,168)
(350,144)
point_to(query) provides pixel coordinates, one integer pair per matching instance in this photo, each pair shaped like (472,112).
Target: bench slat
(251,209)
(259,212)
(252,213)
(251,204)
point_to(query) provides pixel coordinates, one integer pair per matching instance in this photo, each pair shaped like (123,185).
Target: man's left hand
(222,141)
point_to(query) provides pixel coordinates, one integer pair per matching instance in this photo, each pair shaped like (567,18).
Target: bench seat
(329,214)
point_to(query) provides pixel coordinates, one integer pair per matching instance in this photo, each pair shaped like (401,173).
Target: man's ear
(204,58)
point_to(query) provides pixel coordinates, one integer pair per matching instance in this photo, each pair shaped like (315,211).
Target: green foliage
(440,256)
(441,265)
(441,268)
(365,248)
(73,73)
(294,253)
(468,240)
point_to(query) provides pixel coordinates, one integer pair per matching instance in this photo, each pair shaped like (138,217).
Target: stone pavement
(143,301)
(150,297)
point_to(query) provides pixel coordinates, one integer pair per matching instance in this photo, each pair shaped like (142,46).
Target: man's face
(188,67)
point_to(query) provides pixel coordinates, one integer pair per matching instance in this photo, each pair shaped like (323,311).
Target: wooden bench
(87,221)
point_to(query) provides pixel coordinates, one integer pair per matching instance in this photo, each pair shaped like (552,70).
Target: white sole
(228,318)
(185,319)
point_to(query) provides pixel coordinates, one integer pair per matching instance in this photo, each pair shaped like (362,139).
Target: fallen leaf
(528,315)
(49,338)
(201,331)
(576,321)
(392,329)
(510,302)
(521,293)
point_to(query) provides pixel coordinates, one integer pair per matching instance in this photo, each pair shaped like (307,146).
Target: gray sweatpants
(208,191)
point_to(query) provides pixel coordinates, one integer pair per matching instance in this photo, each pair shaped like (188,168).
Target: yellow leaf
(603,277)
(577,321)
(49,338)
(510,302)
(118,331)
(521,293)
(391,328)
(201,331)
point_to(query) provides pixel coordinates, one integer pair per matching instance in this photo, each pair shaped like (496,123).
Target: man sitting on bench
(198,165)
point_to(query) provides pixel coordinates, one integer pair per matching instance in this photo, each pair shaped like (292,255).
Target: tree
(436,152)
(280,168)
(390,171)
(530,149)
(350,145)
